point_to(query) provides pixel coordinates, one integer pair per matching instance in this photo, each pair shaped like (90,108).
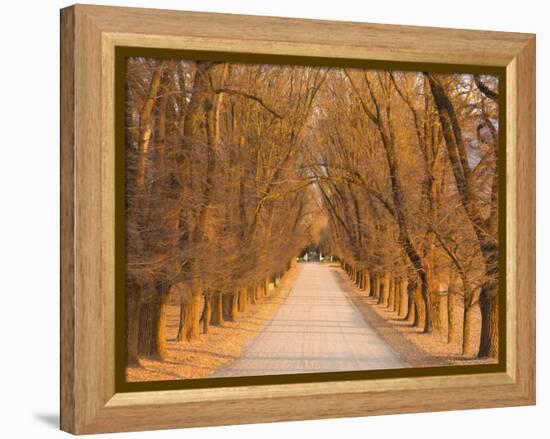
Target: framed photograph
(267,219)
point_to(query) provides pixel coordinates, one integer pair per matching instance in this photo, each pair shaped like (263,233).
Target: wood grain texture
(89,36)
(67,360)
(525,219)
(320,37)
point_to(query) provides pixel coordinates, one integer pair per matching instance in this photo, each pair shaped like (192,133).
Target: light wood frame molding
(89,35)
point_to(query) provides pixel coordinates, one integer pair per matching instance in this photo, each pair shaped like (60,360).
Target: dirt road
(317,329)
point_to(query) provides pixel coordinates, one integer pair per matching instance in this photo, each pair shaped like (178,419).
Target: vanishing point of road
(317,329)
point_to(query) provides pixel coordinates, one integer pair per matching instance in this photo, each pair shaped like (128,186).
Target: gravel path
(317,329)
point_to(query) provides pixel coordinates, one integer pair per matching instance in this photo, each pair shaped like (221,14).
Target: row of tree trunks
(403,297)
(387,289)
(218,307)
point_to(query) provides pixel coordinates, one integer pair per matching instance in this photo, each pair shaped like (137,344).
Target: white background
(29,218)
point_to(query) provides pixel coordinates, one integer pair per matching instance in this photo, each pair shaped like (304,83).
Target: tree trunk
(149,324)
(206,313)
(377,286)
(225,299)
(385,290)
(389,293)
(488,305)
(402,308)
(419,307)
(452,328)
(372,284)
(193,313)
(146,328)
(396,294)
(229,307)
(380,297)
(435,311)
(411,291)
(391,296)
(367,282)
(425,305)
(243,299)
(161,328)
(217,309)
(467,332)
(411,309)
(132,332)
(234,305)
(453,335)
(181,322)
(251,293)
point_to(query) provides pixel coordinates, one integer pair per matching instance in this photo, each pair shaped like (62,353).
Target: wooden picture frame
(89,37)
